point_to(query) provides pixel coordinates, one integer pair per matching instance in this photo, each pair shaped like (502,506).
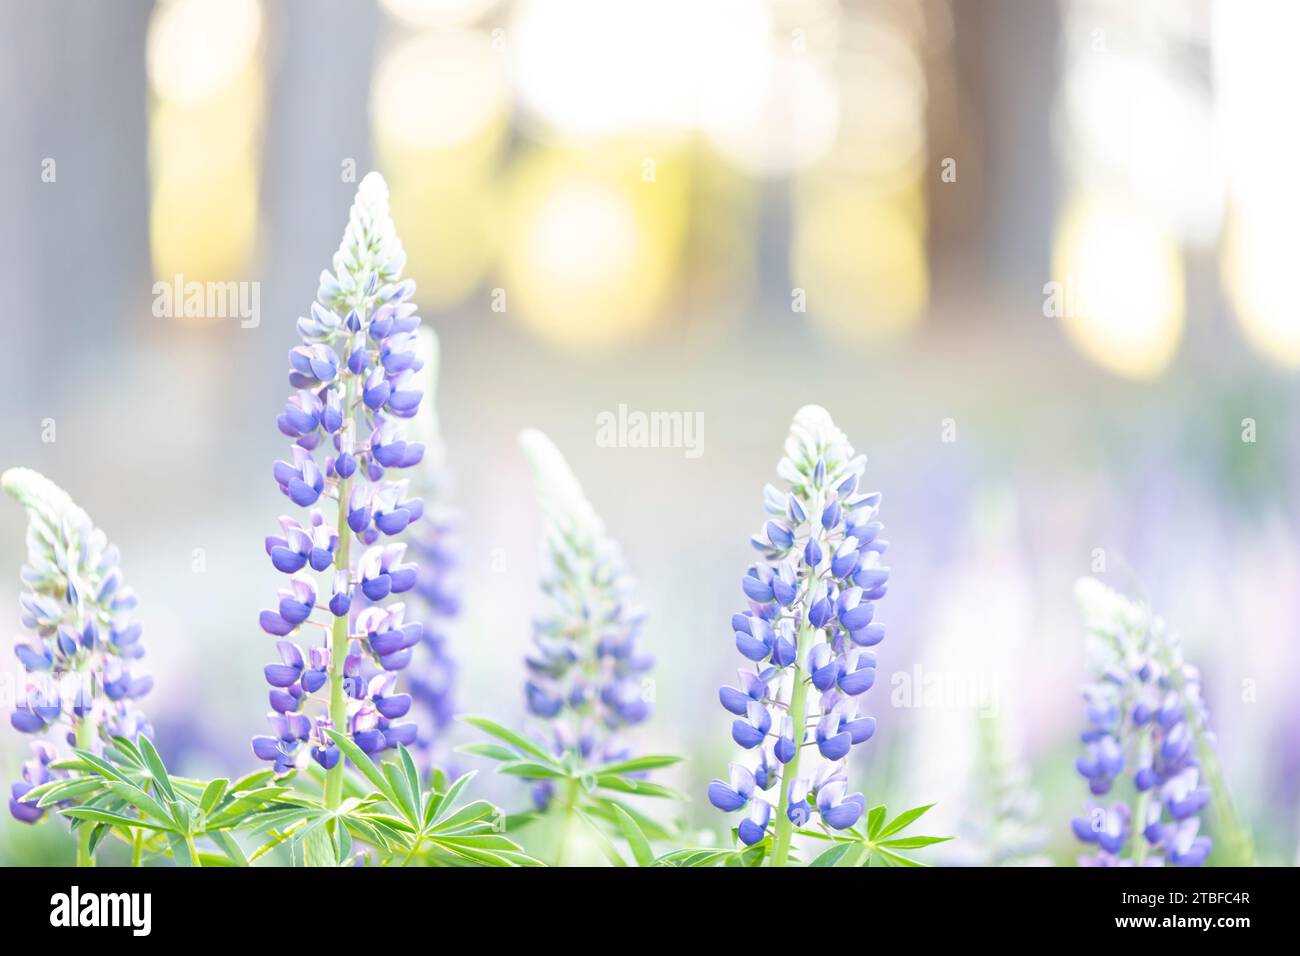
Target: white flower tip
(373,188)
(558,492)
(814,418)
(38,494)
(815,434)
(1105,608)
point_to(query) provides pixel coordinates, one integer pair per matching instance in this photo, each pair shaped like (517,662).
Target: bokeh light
(1256,74)
(1119,288)
(440,111)
(588,258)
(861,260)
(205,121)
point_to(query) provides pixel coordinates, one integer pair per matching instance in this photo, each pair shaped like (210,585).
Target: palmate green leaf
(318,848)
(154,764)
(602,841)
(253,781)
(91,763)
(514,822)
(149,808)
(128,751)
(283,819)
(412,777)
(751,856)
(489,750)
(606,808)
(694,857)
(55,791)
(236,810)
(531,770)
(834,855)
(97,835)
(642,788)
(904,819)
(913,842)
(212,794)
(516,740)
(367,766)
(232,850)
(180,850)
(897,859)
(443,802)
(638,764)
(406,797)
(96,815)
(636,839)
(876,820)
(464,816)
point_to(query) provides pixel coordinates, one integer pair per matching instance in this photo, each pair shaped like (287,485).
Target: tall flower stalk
(81,645)
(586,675)
(354,377)
(807,634)
(1148,729)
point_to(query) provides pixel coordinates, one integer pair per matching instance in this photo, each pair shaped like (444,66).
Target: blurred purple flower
(81,644)
(1145,716)
(586,675)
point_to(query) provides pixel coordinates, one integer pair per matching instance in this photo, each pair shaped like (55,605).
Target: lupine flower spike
(432,673)
(586,676)
(81,647)
(807,635)
(1146,721)
(355,381)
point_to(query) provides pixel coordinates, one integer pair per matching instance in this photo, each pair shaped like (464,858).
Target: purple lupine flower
(355,381)
(1145,718)
(809,630)
(81,646)
(432,674)
(586,676)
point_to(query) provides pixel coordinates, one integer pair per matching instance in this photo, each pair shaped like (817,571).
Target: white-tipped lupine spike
(590,621)
(370,243)
(564,506)
(42,497)
(814,437)
(1106,610)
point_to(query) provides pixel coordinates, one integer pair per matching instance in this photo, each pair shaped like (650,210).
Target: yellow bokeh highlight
(197,48)
(204,230)
(1118,277)
(1258,255)
(440,112)
(588,259)
(859,255)
(205,134)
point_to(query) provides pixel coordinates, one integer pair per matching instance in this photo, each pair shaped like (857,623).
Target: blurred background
(1031,256)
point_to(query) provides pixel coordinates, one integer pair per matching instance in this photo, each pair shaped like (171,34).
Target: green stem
(566,822)
(414,849)
(339,640)
(798,707)
(137,845)
(194,851)
(1139,824)
(85,732)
